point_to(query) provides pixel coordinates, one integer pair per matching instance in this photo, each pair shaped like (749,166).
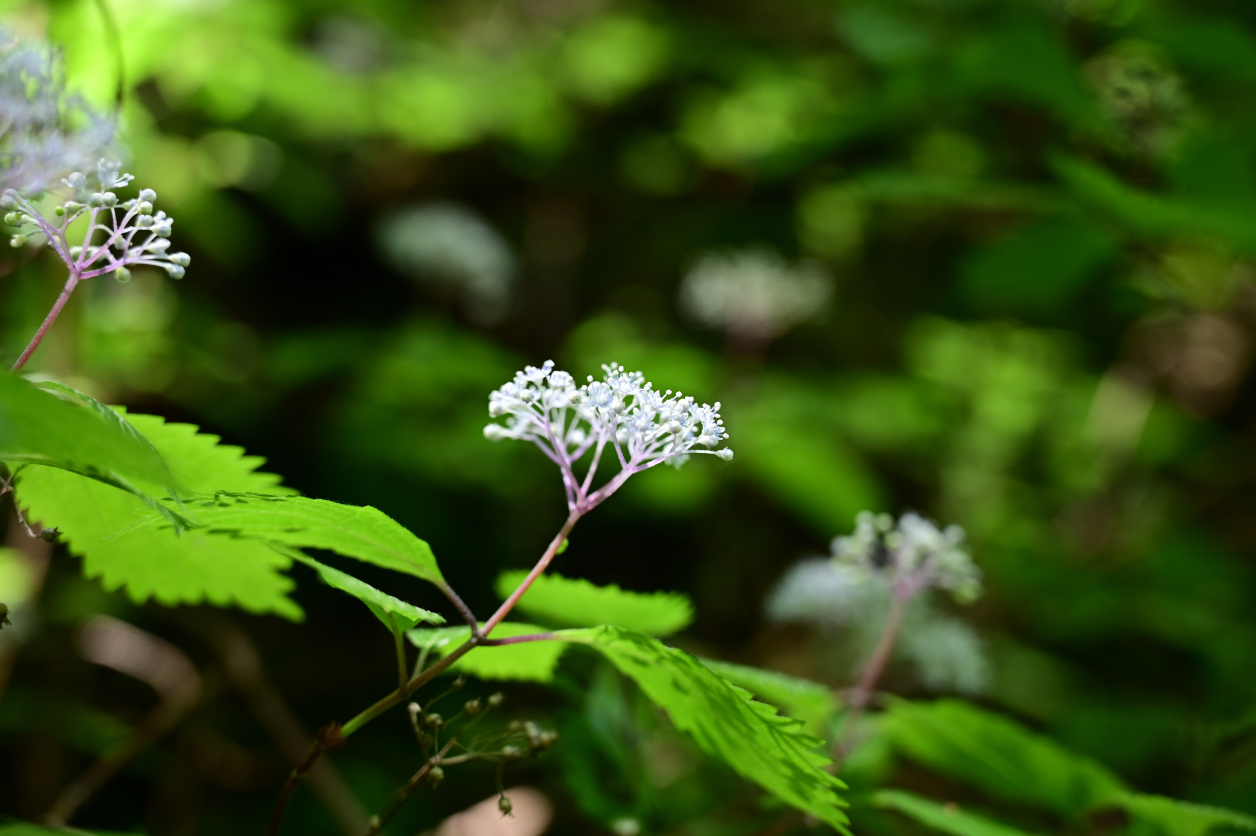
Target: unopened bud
(59,211)
(17,241)
(13,219)
(725,454)
(96,199)
(514,726)
(109,199)
(546,739)
(148,195)
(144,207)
(434,720)
(163,229)
(183,260)
(9,199)
(144,221)
(77,180)
(175,271)
(472,707)
(505,806)
(458,683)
(436,775)
(511,753)
(496,699)
(122,274)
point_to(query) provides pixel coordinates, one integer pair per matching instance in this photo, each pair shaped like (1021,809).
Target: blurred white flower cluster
(44,133)
(132,232)
(849,596)
(445,244)
(645,427)
(912,555)
(754,295)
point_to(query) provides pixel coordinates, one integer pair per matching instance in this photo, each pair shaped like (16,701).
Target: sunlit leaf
(393,613)
(802,699)
(359,532)
(572,602)
(98,522)
(749,736)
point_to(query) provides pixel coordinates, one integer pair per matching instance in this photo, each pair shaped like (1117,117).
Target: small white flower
(913,552)
(622,411)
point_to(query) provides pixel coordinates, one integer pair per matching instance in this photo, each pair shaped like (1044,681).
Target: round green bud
(175,271)
(458,683)
(163,230)
(496,699)
(436,775)
(434,720)
(109,199)
(97,200)
(505,806)
(17,241)
(472,707)
(122,274)
(148,195)
(144,207)
(59,211)
(511,753)
(13,219)
(144,221)
(9,199)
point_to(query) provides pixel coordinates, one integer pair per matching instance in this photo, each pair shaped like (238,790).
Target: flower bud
(181,259)
(122,274)
(436,775)
(144,221)
(163,229)
(496,699)
(17,241)
(458,683)
(434,720)
(71,207)
(97,199)
(511,753)
(147,195)
(75,251)
(158,245)
(472,707)
(9,199)
(59,211)
(77,180)
(175,271)
(13,219)
(505,806)
(725,454)
(144,207)
(109,199)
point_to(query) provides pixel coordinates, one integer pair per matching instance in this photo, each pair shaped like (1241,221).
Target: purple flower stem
(554,546)
(862,693)
(51,318)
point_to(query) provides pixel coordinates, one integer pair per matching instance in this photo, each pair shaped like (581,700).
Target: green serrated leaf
(98,523)
(37,427)
(1182,818)
(1002,758)
(527,661)
(813,703)
(774,751)
(571,602)
(947,818)
(360,532)
(404,616)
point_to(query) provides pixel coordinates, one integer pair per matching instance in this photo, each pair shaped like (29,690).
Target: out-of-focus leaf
(360,532)
(1040,268)
(1025,60)
(525,661)
(813,703)
(575,602)
(1182,818)
(393,613)
(749,736)
(1004,759)
(947,818)
(21,828)
(195,566)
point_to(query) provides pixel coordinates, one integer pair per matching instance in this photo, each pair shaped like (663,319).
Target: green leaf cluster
(569,602)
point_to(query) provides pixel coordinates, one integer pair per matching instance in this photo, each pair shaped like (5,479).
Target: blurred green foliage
(1040,220)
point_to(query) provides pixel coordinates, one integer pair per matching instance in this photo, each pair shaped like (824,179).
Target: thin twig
(862,693)
(328,737)
(462,608)
(378,822)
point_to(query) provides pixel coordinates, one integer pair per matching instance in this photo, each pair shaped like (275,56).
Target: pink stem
(862,693)
(51,318)
(554,546)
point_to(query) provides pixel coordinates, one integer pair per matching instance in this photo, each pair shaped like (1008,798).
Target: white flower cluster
(644,426)
(913,553)
(44,133)
(754,294)
(132,232)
